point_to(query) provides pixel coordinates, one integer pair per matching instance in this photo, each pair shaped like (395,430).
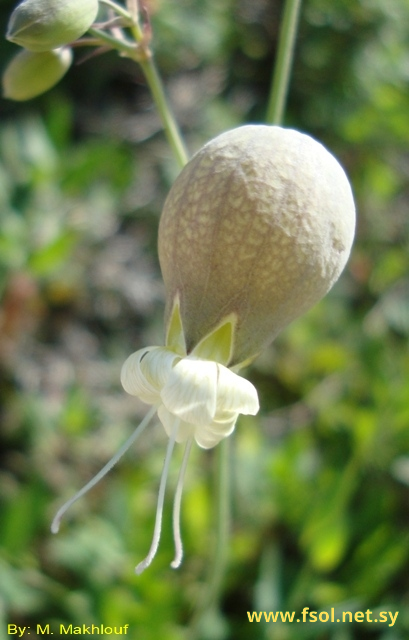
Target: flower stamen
(161,497)
(55,525)
(176,562)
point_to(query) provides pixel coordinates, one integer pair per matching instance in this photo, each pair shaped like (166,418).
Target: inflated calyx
(257,228)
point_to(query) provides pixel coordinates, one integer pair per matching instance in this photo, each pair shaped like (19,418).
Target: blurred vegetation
(321,476)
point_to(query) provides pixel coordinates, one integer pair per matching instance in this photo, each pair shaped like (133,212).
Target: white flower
(256,229)
(204,395)
(195,397)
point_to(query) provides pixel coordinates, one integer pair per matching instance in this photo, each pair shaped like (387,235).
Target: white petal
(210,436)
(235,393)
(145,372)
(223,417)
(190,392)
(134,381)
(207,440)
(157,366)
(184,431)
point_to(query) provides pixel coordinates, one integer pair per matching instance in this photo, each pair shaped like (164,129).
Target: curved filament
(176,508)
(55,525)
(159,508)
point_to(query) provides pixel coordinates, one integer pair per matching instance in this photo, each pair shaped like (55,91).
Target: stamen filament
(176,508)
(159,508)
(55,525)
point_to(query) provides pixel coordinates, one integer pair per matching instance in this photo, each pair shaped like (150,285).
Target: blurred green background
(320,504)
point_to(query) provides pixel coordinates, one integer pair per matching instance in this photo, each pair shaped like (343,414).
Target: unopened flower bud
(257,228)
(41,25)
(31,73)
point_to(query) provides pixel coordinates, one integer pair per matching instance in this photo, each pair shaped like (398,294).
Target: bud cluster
(44,28)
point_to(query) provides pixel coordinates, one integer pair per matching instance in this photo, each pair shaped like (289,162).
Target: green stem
(170,126)
(222,516)
(117,8)
(211,595)
(133,8)
(282,69)
(145,60)
(123,46)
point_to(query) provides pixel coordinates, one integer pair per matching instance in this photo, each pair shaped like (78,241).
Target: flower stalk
(170,125)
(282,69)
(139,51)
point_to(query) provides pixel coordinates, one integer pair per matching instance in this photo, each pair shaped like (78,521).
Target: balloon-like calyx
(258,227)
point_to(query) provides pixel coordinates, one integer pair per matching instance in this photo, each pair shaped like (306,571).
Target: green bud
(255,230)
(41,25)
(30,73)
